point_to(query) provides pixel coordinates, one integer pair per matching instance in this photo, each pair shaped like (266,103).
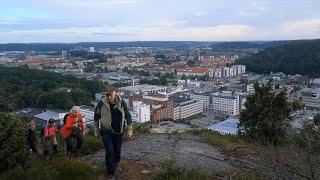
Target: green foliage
(191,63)
(141,129)
(293,57)
(265,118)
(169,170)
(214,138)
(91,144)
(89,55)
(58,168)
(316,120)
(309,139)
(296,104)
(12,142)
(21,87)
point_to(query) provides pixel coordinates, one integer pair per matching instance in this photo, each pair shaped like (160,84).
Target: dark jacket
(103,114)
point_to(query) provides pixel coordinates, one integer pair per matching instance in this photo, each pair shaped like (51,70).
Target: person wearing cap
(73,132)
(112,118)
(50,137)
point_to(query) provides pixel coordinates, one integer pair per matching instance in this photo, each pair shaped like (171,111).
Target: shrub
(12,142)
(91,144)
(141,129)
(58,168)
(169,170)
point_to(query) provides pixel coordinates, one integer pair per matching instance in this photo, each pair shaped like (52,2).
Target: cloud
(200,13)
(309,28)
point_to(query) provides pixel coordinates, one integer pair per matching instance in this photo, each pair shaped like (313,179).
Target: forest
(293,57)
(21,87)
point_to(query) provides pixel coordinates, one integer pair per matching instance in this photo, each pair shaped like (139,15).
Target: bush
(309,139)
(91,144)
(169,170)
(59,168)
(141,129)
(12,142)
(218,139)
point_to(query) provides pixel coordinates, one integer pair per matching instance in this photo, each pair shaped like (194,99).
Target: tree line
(21,87)
(293,57)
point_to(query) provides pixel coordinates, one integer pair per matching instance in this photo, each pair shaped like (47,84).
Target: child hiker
(50,137)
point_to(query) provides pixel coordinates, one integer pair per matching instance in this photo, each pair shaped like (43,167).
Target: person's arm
(69,123)
(97,117)
(82,123)
(46,133)
(128,117)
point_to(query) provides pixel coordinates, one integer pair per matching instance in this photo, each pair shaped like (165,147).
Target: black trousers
(33,146)
(112,145)
(74,143)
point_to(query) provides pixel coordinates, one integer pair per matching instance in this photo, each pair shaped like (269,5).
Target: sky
(68,21)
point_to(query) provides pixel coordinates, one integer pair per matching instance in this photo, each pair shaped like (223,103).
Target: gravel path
(189,151)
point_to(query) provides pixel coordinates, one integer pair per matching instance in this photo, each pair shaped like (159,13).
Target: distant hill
(237,45)
(291,57)
(113,45)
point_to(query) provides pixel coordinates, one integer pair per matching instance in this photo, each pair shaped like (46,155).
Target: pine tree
(12,142)
(265,118)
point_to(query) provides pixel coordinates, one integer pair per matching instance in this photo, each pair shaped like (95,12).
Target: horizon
(164,41)
(77,21)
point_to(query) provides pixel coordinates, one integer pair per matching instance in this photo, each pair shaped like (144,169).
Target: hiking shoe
(119,170)
(111,177)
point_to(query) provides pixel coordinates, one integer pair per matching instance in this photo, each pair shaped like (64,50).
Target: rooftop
(229,126)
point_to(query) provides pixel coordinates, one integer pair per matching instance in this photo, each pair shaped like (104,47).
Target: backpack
(65,118)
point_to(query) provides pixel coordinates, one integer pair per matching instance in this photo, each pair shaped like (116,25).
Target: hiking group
(112,120)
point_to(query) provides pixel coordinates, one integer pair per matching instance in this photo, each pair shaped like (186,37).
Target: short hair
(110,88)
(75,109)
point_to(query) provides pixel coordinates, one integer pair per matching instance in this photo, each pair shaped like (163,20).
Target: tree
(296,104)
(12,142)
(191,63)
(265,118)
(316,120)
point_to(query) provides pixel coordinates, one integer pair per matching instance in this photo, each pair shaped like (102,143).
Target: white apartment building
(250,88)
(218,73)
(226,72)
(228,105)
(187,109)
(144,89)
(141,112)
(204,97)
(239,69)
(230,71)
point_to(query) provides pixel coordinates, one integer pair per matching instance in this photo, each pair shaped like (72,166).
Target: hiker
(50,139)
(73,132)
(31,137)
(111,114)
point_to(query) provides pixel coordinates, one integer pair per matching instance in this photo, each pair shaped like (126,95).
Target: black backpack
(65,118)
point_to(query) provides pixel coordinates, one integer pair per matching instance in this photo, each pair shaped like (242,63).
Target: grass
(57,168)
(141,129)
(225,142)
(170,170)
(91,144)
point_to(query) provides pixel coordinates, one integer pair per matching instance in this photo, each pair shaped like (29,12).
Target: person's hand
(129,133)
(75,126)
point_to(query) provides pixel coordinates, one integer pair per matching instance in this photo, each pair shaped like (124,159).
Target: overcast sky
(145,20)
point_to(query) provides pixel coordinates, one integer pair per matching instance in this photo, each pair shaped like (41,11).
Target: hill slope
(292,57)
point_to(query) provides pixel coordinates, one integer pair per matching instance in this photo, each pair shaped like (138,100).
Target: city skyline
(142,20)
